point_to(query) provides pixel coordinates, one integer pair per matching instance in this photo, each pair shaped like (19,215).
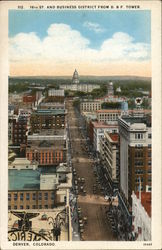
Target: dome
(110,83)
(75,79)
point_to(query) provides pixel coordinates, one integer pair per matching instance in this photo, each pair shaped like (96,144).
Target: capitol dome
(75,79)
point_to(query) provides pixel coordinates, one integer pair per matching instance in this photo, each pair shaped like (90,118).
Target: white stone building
(90,106)
(98,133)
(141,212)
(55,92)
(109,116)
(76,86)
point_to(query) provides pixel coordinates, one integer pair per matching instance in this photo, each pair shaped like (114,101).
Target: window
(15,207)
(149,171)
(15,197)
(9,197)
(46,206)
(40,196)
(21,196)
(149,145)
(27,196)
(27,207)
(149,136)
(34,207)
(46,196)
(52,196)
(149,163)
(149,153)
(149,179)
(40,206)
(34,196)
(21,207)
(9,207)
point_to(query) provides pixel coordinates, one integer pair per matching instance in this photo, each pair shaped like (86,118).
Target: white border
(155,7)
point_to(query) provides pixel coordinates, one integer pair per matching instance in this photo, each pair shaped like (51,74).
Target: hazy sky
(94,42)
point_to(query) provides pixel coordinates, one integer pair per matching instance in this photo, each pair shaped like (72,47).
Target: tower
(110,88)
(75,79)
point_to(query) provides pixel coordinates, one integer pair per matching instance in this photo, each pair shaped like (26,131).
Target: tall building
(135,154)
(19,130)
(110,158)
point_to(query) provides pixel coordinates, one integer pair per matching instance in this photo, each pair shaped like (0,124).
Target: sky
(53,43)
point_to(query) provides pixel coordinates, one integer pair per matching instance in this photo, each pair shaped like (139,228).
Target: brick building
(110,158)
(135,154)
(19,130)
(47,152)
(47,119)
(33,189)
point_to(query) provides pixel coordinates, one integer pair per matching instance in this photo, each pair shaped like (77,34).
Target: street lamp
(57,222)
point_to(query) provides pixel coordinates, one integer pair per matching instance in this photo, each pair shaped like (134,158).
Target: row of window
(138,180)
(141,163)
(141,171)
(31,207)
(31,196)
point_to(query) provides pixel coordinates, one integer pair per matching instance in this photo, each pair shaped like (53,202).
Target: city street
(91,203)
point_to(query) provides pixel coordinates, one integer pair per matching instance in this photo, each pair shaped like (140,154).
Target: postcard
(80,124)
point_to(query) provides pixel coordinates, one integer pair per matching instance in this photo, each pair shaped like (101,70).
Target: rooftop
(109,111)
(56,144)
(49,112)
(23,179)
(48,132)
(145,201)
(103,125)
(114,137)
(135,119)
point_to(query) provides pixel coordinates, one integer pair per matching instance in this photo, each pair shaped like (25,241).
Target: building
(110,89)
(55,95)
(24,191)
(141,214)
(90,106)
(75,79)
(19,131)
(109,152)
(135,154)
(98,133)
(77,86)
(47,119)
(52,105)
(47,152)
(22,163)
(55,92)
(36,189)
(109,116)
(29,98)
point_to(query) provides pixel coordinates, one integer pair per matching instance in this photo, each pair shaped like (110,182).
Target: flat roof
(49,112)
(55,132)
(135,119)
(109,111)
(56,144)
(114,137)
(26,179)
(103,125)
